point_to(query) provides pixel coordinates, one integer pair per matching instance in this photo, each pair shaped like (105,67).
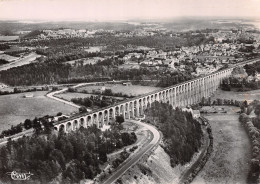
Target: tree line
(252,126)
(95,101)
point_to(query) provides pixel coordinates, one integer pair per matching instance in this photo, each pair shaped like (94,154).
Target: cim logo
(19,176)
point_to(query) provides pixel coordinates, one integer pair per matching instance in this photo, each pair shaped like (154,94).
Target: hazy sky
(124,9)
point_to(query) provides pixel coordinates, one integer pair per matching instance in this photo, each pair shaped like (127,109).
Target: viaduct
(179,95)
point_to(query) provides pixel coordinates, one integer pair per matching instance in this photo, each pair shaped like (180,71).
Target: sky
(92,10)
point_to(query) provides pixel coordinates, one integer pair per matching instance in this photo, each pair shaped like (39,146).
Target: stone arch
(68,127)
(62,128)
(153,98)
(148,101)
(111,115)
(95,119)
(89,121)
(140,106)
(75,125)
(106,116)
(56,128)
(82,122)
(100,119)
(117,111)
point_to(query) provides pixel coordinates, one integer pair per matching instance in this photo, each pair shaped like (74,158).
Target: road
(51,95)
(153,140)
(21,61)
(17,136)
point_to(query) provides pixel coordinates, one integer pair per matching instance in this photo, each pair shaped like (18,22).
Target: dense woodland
(182,133)
(56,72)
(112,42)
(67,158)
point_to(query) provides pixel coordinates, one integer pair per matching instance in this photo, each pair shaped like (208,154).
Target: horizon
(141,20)
(125,10)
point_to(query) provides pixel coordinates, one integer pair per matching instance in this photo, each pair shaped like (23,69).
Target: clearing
(134,90)
(229,162)
(68,96)
(241,96)
(15,108)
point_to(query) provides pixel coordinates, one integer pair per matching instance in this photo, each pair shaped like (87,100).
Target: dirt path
(229,160)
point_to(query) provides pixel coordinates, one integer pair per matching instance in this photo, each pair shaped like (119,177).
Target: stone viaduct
(179,95)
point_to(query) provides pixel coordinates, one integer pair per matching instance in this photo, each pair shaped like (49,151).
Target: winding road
(133,159)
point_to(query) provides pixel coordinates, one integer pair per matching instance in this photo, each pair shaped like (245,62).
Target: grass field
(119,88)
(248,95)
(69,96)
(231,155)
(15,108)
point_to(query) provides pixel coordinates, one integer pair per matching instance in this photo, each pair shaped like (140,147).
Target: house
(169,63)
(2,86)
(127,84)
(28,95)
(196,114)
(257,76)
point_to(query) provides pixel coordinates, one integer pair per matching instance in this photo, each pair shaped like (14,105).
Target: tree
(120,119)
(83,109)
(37,126)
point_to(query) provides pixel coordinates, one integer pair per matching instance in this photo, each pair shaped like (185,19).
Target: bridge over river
(179,95)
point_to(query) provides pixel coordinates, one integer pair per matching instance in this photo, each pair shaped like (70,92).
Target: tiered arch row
(180,95)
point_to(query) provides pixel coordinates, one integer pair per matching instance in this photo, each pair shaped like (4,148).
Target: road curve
(153,140)
(51,95)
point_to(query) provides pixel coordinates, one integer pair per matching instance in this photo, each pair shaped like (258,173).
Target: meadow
(231,150)
(241,96)
(15,108)
(68,96)
(134,90)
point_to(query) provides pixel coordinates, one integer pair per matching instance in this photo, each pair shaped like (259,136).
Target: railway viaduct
(180,95)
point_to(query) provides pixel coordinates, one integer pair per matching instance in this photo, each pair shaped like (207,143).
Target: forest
(182,134)
(65,158)
(56,72)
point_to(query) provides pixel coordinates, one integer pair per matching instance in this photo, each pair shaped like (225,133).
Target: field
(249,95)
(8,58)
(231,155)
(94,49)
(15,108)
(8,38)
(69,96)
(86,61)
(119,88)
